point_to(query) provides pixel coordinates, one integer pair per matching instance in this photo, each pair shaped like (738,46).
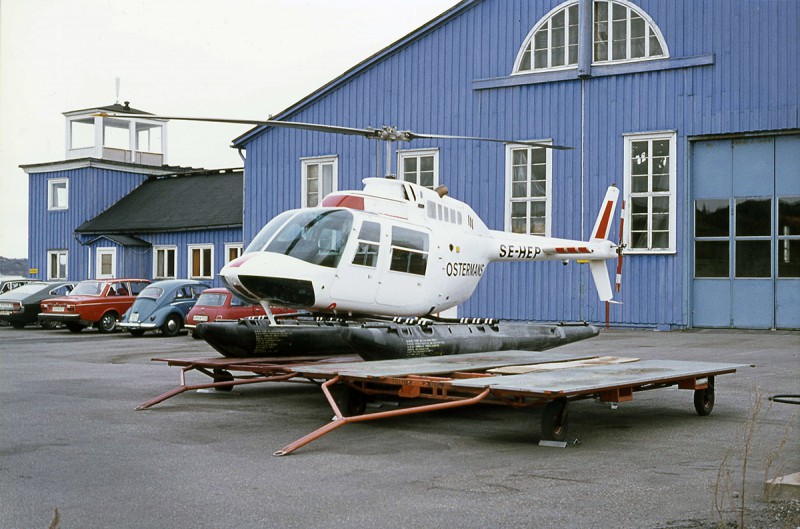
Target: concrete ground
(71,440)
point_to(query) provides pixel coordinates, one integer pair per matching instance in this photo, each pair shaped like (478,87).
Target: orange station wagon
(97,302)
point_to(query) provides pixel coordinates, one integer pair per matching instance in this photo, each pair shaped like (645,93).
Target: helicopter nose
(272,277)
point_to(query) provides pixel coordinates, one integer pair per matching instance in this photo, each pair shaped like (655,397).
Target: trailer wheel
(220,375)
(704,399)
(554,420)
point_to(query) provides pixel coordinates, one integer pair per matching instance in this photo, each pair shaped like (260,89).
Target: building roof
(356,70)
(184,202)
(116,107)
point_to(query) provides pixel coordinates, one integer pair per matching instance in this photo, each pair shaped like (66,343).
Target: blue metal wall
(182,240)
(91,191)
(746,80)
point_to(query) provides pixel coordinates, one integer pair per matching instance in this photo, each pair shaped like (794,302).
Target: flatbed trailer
(519,379)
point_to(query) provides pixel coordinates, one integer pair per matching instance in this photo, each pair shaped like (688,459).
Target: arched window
(620,32)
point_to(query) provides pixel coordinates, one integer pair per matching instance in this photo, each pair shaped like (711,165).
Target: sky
(236,59)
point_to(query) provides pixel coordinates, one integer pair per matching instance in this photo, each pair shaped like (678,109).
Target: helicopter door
(357,278)
(408,263)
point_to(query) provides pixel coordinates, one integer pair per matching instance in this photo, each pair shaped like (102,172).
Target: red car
(98,303)
(218,304)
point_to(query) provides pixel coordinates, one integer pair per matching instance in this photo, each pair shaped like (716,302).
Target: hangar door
(745,231)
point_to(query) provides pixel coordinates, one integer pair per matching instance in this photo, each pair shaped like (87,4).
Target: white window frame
(305,163)
(166,249)
(239,247)
(650,27)
(50,254)
(510,148)
(98,255)
(418,153)
(672,193)
(190,261)
(51,205)
(528,44)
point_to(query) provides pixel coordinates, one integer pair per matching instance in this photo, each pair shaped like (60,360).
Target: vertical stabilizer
(602,225)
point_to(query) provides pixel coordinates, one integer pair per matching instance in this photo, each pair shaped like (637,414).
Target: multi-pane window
(619,33)
(164,262)
(420,167)
(201,262)
(56,264)
(319,178)
(650,192)
(232,251)
(57,193)
(528,190)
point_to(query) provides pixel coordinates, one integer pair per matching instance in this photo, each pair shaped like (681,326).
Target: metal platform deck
(554,379)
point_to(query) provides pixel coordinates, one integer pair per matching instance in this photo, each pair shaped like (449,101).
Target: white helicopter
(393,250)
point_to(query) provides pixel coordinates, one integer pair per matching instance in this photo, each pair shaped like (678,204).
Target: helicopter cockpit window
(409,251)
(368,240)
(316,237)
(266,233)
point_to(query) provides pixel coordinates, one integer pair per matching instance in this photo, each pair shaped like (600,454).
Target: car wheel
(48,325)
(17,324)
(108,322)
(74,327)
(136,332)
(172,325)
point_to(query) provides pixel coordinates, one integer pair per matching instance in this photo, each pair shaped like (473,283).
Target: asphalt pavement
(70,440)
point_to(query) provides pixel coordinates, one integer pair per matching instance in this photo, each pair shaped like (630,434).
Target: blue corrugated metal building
(114,209)
(691,107)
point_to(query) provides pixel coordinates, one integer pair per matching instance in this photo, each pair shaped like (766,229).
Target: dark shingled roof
(196,201)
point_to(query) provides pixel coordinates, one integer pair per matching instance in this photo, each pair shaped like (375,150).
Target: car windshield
(88,288)
(152,292)
(315,236)
(30,288)
(211,300)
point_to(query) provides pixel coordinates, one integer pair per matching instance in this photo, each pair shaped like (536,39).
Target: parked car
(219,304)
(21,306)
(11,282)
(162,306)
(95,302)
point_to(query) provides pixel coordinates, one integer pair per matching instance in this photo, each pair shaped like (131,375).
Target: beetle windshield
(88,288)
(314,236)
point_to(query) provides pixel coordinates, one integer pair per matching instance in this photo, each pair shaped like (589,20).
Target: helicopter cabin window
(650,192)
(368,241)
(319,178)
(201,261)
(409,251)
(316,237)
(420,166)
(528,174)
(620,32)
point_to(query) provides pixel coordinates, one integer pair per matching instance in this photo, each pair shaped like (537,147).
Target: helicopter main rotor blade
(368,133)
(413,135)
(384,133)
